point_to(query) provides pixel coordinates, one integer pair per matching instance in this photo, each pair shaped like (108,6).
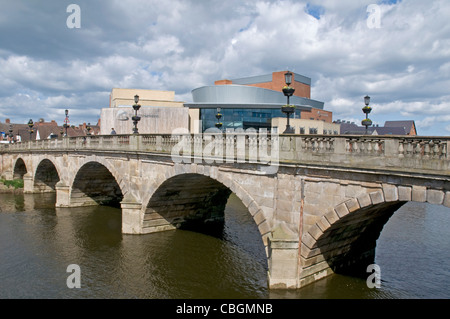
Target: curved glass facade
(233,118)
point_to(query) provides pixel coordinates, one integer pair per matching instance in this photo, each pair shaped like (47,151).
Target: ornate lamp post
(218,116)
(66,122)
(288,109)
(136,118)
(30,126)
(11,135)
(366,109)
(88,128)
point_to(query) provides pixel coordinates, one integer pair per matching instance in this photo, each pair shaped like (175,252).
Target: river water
(38,242)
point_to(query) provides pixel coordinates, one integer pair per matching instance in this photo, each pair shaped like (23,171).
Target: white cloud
(447,128)
(403,65)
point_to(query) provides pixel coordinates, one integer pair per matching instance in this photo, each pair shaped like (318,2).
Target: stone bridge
(319,202)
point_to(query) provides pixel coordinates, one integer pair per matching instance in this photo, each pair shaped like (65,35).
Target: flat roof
(242,106)
(268,78)
(250,96)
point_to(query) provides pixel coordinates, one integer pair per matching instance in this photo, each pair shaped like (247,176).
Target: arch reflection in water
(173,264)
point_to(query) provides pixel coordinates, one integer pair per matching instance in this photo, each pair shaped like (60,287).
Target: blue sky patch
(389,1)
(315,11)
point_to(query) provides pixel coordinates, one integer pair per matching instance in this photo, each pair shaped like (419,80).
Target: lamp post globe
(288,78)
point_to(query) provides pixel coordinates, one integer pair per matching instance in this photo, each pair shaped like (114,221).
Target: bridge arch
(190,198)
(46,177)
(343,240)
(95,183)
(20,168)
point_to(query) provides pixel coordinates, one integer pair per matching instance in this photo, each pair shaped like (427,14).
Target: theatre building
(252,102)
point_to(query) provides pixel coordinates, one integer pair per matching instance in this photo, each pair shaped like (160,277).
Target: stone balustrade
(377,152)
(384,152)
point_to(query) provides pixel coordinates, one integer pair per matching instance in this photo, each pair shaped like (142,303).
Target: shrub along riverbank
(14,186)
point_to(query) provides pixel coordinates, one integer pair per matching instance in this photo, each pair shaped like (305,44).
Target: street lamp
(136,118)
(288,109)
(66,121)
(88,128)
(11,135)
(218,116)
(30,126)
(366,109)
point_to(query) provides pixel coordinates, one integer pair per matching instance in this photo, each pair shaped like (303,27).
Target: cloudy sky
(397,52)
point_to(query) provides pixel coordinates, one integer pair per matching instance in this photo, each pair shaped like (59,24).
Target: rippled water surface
(38,242)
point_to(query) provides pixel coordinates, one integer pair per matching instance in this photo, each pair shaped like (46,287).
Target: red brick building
(302,84)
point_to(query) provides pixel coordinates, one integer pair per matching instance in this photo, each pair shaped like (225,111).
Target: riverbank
(11,187)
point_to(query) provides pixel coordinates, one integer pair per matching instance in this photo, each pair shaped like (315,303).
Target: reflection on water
(38,242)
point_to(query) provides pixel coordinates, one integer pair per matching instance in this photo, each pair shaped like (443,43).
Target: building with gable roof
(409,126)
(389,128)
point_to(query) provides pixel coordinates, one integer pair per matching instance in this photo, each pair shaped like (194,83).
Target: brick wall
(277,83)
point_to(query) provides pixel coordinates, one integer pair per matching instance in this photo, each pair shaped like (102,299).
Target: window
(302,130)
(240,118)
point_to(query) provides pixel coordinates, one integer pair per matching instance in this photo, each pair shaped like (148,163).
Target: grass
(17,183)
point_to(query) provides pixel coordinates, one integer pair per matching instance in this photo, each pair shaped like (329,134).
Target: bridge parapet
(413,153)
(376,152)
